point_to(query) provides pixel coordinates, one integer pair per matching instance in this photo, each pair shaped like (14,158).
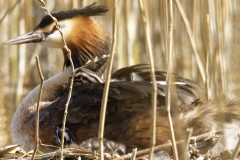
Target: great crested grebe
(128,113)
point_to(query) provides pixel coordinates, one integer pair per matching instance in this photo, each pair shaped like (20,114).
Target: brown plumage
(126,99)
(92,43)
(128,118)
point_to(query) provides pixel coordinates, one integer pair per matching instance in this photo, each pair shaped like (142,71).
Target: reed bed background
(214,25)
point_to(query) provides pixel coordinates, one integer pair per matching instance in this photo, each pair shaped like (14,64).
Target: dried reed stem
(134,153)
(71,80)
(208,90)
(187,141)
(37,109)
(169,81)
(107,82)
(189,31)
(145,21)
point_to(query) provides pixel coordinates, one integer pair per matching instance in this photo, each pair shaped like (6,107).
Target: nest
(198,147)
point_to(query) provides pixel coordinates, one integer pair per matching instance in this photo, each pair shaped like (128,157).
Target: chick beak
(31,37)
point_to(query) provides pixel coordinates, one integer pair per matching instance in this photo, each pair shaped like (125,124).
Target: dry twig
(107,82)
(145,21)
(68,153)
(38,103)
(71,82)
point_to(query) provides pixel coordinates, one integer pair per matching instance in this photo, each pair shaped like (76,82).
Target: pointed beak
(31,37)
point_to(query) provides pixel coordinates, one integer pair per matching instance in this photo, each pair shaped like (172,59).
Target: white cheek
(53,40)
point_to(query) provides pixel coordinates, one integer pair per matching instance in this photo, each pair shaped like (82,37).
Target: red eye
(54,28)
